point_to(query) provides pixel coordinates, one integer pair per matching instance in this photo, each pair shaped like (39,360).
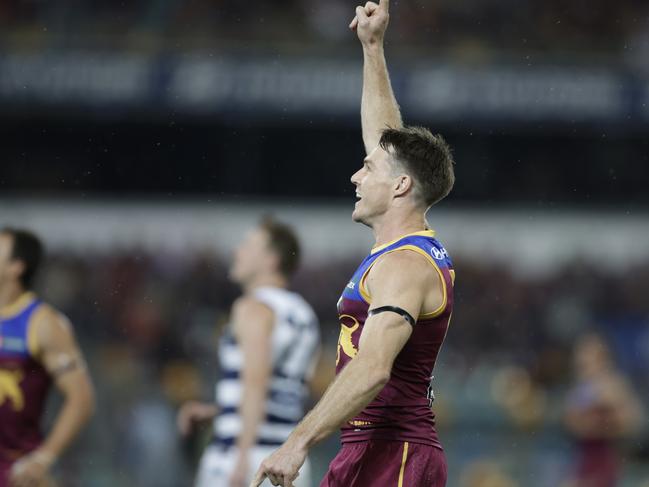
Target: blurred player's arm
(57,350)
(253,326)
(395,280)
(629,413)
(379,107)
(192,412)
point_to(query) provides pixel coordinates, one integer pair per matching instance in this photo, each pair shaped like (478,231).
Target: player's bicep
(400,280)
(398,292)
(59,352)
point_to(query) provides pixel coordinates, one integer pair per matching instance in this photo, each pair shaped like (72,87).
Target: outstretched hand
(282,467)
(371,22)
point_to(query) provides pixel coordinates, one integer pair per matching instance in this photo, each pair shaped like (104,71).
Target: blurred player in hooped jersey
(37,347)
(395,311)
(267,354)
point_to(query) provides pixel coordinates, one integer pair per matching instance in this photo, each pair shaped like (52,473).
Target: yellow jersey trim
(422,233)
(13,309)
(366,295)
(403,464)
(32,338)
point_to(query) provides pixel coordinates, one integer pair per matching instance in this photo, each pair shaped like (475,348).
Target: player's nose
(355,179)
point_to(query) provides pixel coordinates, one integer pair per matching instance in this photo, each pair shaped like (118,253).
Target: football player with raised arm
(395,311)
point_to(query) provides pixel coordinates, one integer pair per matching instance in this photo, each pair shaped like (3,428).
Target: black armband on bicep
(393,309)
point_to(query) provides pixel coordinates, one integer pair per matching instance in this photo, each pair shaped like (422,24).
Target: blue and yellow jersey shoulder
(15,337)
(424,243)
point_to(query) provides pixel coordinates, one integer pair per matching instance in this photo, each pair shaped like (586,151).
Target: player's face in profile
(374,183)
(250,257)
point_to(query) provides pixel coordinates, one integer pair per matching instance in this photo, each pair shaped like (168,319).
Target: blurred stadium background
(142,138)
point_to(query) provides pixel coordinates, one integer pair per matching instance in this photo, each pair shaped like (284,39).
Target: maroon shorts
(380,463)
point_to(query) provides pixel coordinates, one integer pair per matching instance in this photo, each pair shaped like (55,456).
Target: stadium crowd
(573,25)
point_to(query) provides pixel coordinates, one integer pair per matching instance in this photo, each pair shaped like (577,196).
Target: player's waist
(10,452)
(424,436)
(393,419)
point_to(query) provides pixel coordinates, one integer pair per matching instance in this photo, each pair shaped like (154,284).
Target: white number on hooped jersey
(439,254)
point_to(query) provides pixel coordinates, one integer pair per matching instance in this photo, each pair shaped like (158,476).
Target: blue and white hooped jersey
(295,341)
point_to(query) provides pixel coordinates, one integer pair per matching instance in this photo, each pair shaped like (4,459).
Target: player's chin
(358,217)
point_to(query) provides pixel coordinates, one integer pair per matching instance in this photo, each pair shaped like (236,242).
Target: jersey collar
(422,233)
(18,305)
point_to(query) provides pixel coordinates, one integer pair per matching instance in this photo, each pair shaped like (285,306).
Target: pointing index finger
(385,5)
(259,478)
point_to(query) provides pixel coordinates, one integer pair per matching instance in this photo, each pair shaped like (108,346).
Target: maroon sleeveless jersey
(24,385)
(402,410)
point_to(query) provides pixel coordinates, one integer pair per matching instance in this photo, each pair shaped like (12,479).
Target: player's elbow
(84,400)
(381,377)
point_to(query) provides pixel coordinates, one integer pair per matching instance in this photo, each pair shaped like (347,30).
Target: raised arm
(379,108)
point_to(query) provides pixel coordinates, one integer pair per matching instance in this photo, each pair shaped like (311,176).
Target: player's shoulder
(47,316)
(405,260)
(47,326)
(249,305)
(401,269)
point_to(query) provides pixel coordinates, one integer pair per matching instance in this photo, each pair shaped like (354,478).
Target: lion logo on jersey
(345,339)
(10,389)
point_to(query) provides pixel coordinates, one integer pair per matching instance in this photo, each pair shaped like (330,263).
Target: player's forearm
(379,107)
(353,389)
(78,407)
(251,411)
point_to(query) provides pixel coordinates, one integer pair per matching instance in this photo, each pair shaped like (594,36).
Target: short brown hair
(284,243)
(426,157)
(27,248)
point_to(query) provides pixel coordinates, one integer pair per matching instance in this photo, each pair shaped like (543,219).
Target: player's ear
(403,184)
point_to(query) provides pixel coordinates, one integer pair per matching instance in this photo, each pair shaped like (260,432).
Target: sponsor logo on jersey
(439,254)
(351,285)
(12,344)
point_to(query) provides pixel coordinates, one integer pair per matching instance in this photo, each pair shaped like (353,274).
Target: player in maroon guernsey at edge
(37,347)
(395,311)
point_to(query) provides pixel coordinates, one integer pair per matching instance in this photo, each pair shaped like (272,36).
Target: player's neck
(392,227)
(265,280)
(9,294)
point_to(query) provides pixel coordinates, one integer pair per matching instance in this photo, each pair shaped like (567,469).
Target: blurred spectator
(602,409)
(565,25)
